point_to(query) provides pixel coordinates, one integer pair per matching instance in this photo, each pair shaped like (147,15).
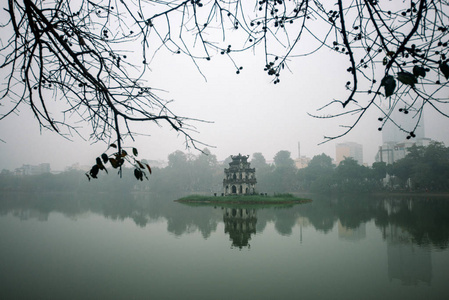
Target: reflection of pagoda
(240,223)
(239,177)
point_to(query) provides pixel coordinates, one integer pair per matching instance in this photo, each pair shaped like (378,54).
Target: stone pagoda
(239,179)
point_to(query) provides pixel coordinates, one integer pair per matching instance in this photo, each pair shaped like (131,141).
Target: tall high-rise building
(349,149)
(392,151)
(394,136)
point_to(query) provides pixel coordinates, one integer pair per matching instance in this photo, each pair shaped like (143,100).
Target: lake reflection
(240,224)
(147,246)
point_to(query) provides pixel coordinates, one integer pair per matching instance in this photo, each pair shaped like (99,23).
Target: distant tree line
(423,169)
(68,181)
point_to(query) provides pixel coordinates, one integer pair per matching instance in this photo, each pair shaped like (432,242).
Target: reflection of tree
(240,223)
(406,262)
(184,219)
(115,206)
(426,221)
(320,213)
(353,211)
(285,221)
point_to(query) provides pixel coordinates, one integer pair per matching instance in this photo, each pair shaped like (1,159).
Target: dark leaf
(113,145)
(99,163)
(124,153)
(419,71)
(407,78)
(140,164)
(390,84)
(138,174)
(105,157)
(444,68)
(135,151)
(148,167)
(94,171)
(114,163)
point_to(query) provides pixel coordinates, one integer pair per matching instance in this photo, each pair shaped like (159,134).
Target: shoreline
(245,202)
(256,199)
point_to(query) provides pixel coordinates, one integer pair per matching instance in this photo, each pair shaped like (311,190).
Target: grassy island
(244,199)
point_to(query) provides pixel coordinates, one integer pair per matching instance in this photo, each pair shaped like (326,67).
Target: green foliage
(263,172)
(282,159)
(190,173)
(424,168)
(258,161)
(317,176)
(379,170)
(281,177)
(352,177)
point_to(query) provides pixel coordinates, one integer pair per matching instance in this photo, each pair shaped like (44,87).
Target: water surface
(114,246)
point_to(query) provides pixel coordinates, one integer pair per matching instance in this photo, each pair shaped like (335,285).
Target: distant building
(240,178)
(78,167)
(302,162)
(155,163)
(392,133)
(391,152)
(349,149)
(394,143)
(32,170)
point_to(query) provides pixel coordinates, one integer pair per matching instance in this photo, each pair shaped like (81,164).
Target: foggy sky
(249,114)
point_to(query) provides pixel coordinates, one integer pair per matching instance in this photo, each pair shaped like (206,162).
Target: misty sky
(249,114)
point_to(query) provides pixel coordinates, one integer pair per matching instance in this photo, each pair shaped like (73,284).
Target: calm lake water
(112,246)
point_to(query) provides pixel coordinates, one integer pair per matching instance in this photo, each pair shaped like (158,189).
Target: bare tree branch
(76,52)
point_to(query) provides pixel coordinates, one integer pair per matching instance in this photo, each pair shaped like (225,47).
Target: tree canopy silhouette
(79,53)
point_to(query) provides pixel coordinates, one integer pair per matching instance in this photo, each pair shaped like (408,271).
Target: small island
(239,187)
(244,199)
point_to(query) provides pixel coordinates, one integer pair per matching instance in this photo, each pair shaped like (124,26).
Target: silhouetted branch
(76,52)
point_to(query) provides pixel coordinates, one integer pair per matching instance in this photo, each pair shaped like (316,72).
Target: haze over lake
(135,246)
